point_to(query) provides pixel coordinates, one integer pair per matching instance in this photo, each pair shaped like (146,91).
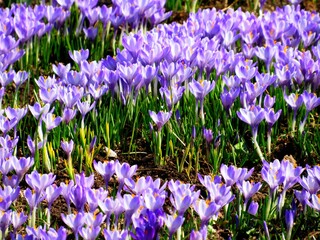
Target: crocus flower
(93,195)
(68,114)
(52,193)
(228,98)
(172,95)
(268,102)
(130,204)
(7,196)
(272,174)
(199,91)
(271,118)
(66,188)
(206,210)
(106,169)
(6,124)
(289,219)
(39,182)
(173,223)
(124,171)
(38,111)
(310,183)
(311,101)
(83,181)
(232,174)
(17,219)
(303,196)
(80,55)
(199,235)
(266,229)
(182,198)
(89,233)
(51,121)
(253,117)
(67,147)
(253,208)
(248,189)
(294,101)
(33,199)
(84,108)
(74,221)
(21,166)
(160,118)
(147,225)
(116,234)
(208,135)
(153,200)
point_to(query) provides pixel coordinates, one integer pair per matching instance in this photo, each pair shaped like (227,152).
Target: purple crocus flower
(84,108)
(153,199)
(173,222)
(228,98)
(37,111)
(206,210)
(248,189)
(266,229)
(294,101)
(147,225)
(208,135)
(182,197)
(20,77)
(172,95)
(90,233)
(93,195)
(310,183)
(116,234)
(266,54)
(160,118)
(199,90)
(74,221)
(6,124)
(78,196)
(289,219)
(21,166)
(80,55)
(68,114)
(106,169)
(67,147)
(39,182)
(253,208)
(268,102)
(33,199)
(272,174)
(271,118)
(124,171)
(130,204)
(8,195)
(17,219)
(199,235)
(66,189)
(303,196)
(311,101)
(245,71)
(232,174)
(253,117)
(51,121)
(52,193)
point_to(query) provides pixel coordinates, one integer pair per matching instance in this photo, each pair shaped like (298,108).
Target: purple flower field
(118,123)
